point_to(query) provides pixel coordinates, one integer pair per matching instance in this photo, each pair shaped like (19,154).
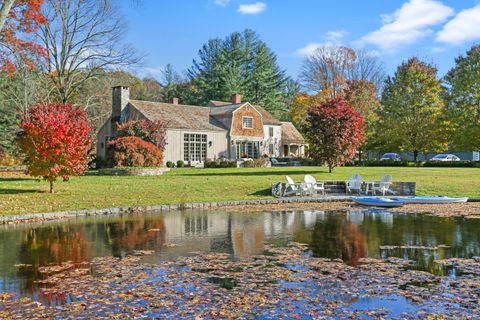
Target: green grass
(20,194)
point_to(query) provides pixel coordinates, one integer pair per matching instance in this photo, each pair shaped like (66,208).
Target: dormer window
(247,122)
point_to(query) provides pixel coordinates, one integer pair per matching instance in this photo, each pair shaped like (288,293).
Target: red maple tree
(334,131)
(21,22)
(56,139)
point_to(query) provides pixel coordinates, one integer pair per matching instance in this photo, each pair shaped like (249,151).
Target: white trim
(243,122)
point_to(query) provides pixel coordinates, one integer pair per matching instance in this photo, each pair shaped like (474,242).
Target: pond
(349,236)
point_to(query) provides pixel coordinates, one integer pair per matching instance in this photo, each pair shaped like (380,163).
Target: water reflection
(345,235)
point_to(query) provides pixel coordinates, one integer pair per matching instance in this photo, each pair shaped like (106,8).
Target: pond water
(345,235)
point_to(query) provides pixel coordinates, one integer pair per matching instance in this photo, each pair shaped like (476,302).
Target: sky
(172,31)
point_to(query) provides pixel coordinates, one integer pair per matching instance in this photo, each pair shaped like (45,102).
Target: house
(229,130)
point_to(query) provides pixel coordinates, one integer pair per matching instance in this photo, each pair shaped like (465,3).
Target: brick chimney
(236,98)
(120,98)
(174,101)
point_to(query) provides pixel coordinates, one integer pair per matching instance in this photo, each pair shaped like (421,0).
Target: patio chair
(314,185)
(293,188)
(355,183)
(277,163)
(383,186)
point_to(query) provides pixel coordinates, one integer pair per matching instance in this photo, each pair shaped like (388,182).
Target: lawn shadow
(263,192)
(253,173)
(16,179)
(19,191)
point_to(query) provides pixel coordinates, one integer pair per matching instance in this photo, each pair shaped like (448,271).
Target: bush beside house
(139,143)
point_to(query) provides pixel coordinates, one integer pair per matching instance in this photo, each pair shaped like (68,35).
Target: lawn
(21,194)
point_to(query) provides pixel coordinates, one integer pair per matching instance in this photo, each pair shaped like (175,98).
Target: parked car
(391,157)
(445,157)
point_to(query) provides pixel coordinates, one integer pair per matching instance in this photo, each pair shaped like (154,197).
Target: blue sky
(172,31)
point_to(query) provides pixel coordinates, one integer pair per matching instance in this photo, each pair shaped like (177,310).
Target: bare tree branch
(83,37)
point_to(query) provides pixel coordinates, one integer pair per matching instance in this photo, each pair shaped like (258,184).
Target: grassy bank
(21,194)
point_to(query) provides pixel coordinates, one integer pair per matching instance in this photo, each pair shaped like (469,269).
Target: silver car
(445,157)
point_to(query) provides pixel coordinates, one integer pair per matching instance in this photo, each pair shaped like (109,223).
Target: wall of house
(107,131)
(237,129)
(174,150)
(275,140)
(103,136)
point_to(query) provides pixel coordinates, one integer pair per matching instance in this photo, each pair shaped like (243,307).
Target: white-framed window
(247,122)
(270,132)
(194,147)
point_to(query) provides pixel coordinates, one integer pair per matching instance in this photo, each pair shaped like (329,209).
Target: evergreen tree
(240,63)
(411,116)
(463,99)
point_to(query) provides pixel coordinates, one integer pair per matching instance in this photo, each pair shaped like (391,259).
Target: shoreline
(469,209)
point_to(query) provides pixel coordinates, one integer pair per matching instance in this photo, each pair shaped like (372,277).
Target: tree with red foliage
(133,152)
(18,19)
(56,139)
(150,131)
(335,132)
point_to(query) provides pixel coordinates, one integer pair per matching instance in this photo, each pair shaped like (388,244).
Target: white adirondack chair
(354,183)
(383,186)
(295,188)
(314,185)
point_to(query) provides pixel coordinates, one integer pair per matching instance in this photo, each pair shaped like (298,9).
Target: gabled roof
(177,116)
(290,134)
(213,103)
(222,107)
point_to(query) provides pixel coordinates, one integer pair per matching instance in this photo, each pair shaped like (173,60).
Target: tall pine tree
(240,63)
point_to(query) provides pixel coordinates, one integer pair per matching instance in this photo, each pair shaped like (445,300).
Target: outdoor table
(369,186)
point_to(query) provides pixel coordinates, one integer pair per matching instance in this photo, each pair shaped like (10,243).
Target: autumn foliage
(150,131)
(56,139)
(133,152)
(140,143)
(334,131)
(24,18)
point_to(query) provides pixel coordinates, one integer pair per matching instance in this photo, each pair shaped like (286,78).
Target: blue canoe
(378,202)
(433,200)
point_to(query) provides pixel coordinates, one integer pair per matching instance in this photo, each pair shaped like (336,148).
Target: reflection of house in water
(240,234)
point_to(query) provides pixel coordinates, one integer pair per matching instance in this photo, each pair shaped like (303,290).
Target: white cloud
(334,37)
(254,8)
(464,27)
(407,24)
(222,3)
(309,49)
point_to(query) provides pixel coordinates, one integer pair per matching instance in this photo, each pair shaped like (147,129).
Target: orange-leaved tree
(334,131)
(57,140)
(19,21)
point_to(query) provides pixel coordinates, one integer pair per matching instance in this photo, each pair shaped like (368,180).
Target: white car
(445,157)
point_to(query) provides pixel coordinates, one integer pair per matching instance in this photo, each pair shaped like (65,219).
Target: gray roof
(177,116)
(290,134)
(220,107)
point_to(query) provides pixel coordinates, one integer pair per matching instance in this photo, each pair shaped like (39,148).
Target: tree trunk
(415,156)
(360,156)
(4,11)
(51,186)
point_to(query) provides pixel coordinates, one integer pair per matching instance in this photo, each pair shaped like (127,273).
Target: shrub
(56,139)
(169,164)
(180,163)
(219,164)
(452,164)
(249,164)
(150,131)
(133,152)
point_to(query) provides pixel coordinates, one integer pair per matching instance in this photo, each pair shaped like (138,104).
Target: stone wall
(398,188)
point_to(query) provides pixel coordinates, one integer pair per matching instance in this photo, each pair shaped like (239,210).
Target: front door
(285,151)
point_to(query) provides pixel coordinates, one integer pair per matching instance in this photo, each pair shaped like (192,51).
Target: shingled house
(230,130)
